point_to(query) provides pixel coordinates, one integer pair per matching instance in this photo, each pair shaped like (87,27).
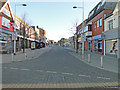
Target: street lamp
(82,26)
(15,26)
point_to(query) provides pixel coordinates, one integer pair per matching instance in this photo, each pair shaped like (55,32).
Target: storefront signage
(5,31)
(5,22)
(94,38)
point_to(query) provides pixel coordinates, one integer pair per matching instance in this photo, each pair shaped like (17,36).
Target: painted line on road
(39,70)
(104,78)
(25,69)
(67,73)
(13,68)
(51,72)
(84,75)
(100,67)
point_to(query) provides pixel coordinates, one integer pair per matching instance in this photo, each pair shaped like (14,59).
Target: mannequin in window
(114,47)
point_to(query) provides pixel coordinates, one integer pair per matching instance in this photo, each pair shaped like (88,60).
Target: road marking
(14,68)
(51,72)
(104,78)
(100,67)
(67,73)
(39,70)
(83,75)
(25,69)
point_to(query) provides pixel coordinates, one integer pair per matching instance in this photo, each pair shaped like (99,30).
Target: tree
(75,31)
(25,23)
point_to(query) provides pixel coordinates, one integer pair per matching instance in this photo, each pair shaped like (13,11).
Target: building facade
(96,16)
(6,27)
(112,33)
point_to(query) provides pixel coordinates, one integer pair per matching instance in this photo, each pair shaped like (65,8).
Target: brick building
(6,27)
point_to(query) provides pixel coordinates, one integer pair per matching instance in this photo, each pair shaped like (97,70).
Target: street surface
(56,68)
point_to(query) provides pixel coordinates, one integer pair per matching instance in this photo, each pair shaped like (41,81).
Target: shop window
(110,24)
(97,46)
(97,23)
(3,44)
(100,21)
(112,47)
(94,24)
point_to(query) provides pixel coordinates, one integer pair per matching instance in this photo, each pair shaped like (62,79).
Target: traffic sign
(14,36)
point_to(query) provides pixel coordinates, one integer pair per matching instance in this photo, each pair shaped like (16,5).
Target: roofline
(4,6)
(7,2)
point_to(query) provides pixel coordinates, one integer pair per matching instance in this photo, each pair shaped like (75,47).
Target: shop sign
(89,39)
(5,22)
(94,38)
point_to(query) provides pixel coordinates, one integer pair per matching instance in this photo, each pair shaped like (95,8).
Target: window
(100,21)
(91,13)
(102,3)
(97,23)
(94,24)
(98,6)
(110,24)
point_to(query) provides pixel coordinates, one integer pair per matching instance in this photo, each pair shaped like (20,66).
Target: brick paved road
(56,68)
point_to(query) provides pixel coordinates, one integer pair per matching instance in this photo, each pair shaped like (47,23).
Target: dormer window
(98,7)
(102,3)
(91,13)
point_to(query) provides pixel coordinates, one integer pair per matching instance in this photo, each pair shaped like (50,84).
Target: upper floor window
(102,3)
(110,24)
(97,23)
(98,6)
(100,21)
(94,24)
(91,13)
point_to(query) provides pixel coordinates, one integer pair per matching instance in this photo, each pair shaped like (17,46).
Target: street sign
(14,36)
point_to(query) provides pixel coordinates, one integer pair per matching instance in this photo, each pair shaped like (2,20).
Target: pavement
(20,56)
(108,63)
(56,68)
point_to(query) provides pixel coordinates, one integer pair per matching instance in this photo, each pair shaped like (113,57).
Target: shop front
(6,44)
(112,43)
(112,47)
(95,44)
(89,44)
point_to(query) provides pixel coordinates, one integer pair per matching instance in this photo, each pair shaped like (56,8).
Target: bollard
(12,56)
(88,58)
(101,61)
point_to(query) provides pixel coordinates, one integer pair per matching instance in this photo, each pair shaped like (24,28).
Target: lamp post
(82,36)
(15,26)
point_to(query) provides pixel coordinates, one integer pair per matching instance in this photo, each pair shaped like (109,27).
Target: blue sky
(55,17)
